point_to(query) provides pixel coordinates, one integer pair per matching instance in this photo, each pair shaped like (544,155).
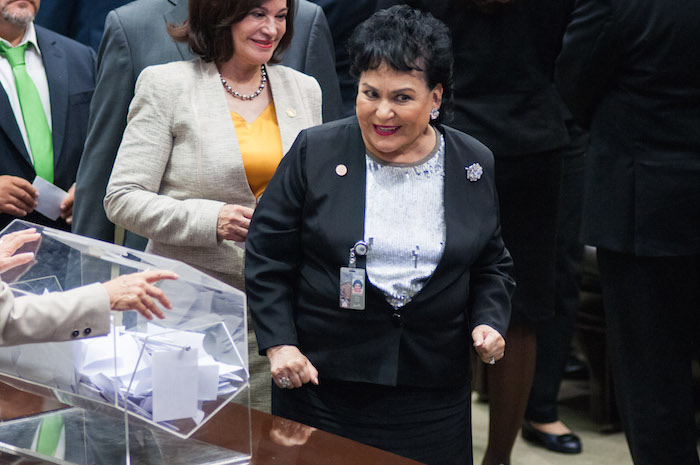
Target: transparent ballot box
(139,393)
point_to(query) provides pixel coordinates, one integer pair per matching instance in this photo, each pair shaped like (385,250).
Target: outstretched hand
(136,292)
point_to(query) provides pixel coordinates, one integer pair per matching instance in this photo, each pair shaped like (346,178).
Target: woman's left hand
(233,223)
(489,344)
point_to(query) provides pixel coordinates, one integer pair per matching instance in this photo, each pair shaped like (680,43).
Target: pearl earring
(434,113)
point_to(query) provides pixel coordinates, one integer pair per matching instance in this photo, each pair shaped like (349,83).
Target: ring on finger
(492,361)
(285,382)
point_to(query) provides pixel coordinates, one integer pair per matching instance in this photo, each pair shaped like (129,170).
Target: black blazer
(302,232)
(70,71)
(638,88)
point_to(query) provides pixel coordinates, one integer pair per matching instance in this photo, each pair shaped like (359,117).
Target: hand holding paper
(66,206)
(50,198)
(17,196)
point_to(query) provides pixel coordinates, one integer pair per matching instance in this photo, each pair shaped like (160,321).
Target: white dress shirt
(35,68)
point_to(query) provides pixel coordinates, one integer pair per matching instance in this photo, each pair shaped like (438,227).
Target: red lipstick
(385,130)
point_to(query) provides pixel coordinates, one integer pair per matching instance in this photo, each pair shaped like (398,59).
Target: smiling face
(19,12)
(256,36)
(393,109)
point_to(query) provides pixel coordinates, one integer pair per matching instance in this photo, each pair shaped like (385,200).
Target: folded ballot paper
(160,375)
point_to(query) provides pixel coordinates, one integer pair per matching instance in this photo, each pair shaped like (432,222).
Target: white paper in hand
(50,198)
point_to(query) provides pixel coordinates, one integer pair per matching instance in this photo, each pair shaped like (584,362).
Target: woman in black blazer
(504,96)
(408,209)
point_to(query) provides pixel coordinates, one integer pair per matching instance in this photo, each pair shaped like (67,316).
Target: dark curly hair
(406,39)
(207,29)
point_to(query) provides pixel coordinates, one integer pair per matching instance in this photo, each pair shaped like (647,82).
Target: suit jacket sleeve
(320,63)
(108,110)
(588,58)
(132,198)
(273,249)
(491,286)
(54,316)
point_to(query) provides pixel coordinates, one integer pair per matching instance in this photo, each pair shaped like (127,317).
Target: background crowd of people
(452,157)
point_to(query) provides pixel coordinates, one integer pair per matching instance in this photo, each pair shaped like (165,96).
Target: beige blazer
(179,161)
(58,316)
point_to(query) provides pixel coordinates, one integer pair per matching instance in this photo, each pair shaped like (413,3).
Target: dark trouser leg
(553,340)
(554,335)
(651,306)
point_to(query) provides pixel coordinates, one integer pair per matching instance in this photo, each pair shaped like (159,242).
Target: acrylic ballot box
(139,393)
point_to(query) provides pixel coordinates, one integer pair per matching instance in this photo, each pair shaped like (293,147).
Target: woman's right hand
(234,221)
(288,363)
(136,291)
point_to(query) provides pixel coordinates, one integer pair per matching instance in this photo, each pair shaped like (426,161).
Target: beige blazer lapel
(220,142)
(297,106)
(292,114)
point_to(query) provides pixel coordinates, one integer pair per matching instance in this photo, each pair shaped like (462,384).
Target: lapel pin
(341,170)
(291,112)
(474,172)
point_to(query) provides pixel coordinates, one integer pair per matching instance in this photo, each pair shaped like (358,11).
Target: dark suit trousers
(554,334)
(651,307)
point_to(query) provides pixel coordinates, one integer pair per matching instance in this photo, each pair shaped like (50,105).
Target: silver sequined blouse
(405,223)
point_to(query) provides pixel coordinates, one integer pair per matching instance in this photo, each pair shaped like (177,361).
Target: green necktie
(38,131)
(49,434)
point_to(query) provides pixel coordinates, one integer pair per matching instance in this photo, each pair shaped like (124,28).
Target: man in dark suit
(135,37)
(637,86)
(40,69)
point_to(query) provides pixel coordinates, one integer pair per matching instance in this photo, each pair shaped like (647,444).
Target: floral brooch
(474,172)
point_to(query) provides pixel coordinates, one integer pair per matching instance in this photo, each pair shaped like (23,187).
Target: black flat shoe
(563,443)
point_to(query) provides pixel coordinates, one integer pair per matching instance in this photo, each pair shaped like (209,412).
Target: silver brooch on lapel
(474,172)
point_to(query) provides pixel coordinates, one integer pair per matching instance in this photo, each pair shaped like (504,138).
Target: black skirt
(431,425)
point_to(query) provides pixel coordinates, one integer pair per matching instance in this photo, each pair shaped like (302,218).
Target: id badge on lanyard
(352,280)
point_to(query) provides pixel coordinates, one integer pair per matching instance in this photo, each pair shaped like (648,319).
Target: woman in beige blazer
(180,178)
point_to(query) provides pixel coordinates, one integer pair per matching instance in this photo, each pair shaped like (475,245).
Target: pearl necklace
(263,81)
